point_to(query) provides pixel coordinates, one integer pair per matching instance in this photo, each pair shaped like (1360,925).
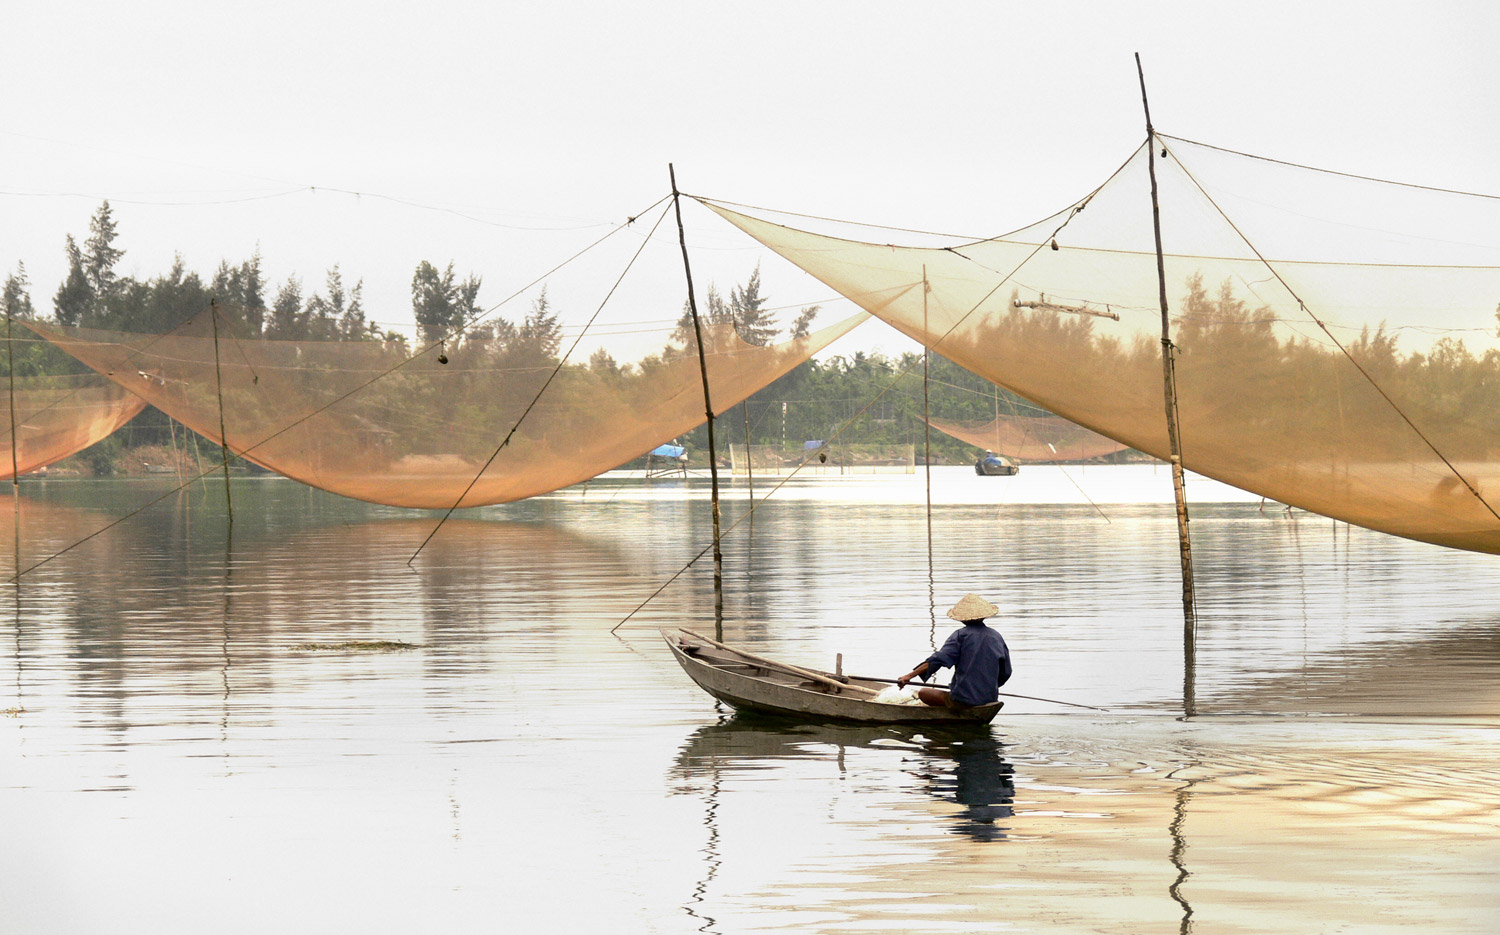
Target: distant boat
(670,458)
(750,682)
(993,465)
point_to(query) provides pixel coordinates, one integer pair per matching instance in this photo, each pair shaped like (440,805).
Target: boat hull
(807,700)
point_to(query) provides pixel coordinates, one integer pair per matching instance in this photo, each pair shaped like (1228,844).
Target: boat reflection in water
(962,765)
(972,772)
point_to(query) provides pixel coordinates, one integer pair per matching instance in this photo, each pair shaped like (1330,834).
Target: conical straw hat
(973,607)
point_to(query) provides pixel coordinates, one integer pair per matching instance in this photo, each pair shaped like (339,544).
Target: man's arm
(919,672)
(942,659)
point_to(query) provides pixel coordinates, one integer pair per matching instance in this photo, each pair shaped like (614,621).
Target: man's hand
(901,682)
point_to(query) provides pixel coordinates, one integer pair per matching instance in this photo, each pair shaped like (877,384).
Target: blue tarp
(668,451)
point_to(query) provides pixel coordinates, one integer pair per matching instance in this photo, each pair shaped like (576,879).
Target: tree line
(811,402)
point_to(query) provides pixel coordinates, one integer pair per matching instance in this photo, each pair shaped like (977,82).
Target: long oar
(867,678)
(784,666)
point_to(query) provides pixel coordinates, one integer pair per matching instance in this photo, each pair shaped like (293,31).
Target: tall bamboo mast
(15,472)
(213,310)
(927,430)
(1174,439)
(749,461)
(708,408)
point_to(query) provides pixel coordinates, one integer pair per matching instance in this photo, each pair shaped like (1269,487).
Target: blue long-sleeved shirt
(980,661)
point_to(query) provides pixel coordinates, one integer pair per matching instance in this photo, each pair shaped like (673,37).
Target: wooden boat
(750,682)
(995,466)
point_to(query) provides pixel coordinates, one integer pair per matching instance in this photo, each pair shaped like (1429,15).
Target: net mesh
(58,416)
(1031,438)
(1337,336)
(360,418)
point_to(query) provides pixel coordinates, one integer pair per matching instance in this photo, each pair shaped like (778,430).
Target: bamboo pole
(15,471)
(749,460)
(1174,439)
(708,407)
(213,310)
(197,458)
(1071,704)
(15,486)
(176,456)
(927,443)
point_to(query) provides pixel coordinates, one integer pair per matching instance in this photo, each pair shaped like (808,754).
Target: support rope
(539,393)
(1347,175)
(1337,343)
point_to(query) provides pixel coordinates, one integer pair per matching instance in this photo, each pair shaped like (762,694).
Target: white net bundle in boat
(897,695)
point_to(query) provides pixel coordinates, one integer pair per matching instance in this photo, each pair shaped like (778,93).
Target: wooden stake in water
(708,407)
(176,456)
(749,458)
(15,471)
(213,310)
(927,451)
(15,482)
(1174,440)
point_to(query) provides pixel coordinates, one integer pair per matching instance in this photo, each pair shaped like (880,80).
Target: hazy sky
(544,123)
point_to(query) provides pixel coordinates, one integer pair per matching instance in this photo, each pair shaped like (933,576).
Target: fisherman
(978,655)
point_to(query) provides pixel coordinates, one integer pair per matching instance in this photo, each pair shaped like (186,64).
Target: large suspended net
(1031,438)
(364,419)
(1337,335)
(58,416)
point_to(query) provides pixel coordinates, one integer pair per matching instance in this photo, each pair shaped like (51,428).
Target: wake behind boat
(753,683)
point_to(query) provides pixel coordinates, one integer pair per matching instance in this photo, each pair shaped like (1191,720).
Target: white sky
(964,117)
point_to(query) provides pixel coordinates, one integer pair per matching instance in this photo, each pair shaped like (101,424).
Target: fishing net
(1031,438)
(57,416)
(364,419)
(894,695)
(1337,335)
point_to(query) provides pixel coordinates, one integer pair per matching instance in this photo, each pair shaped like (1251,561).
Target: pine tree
(100,255)
(715,311)
(352,324)
(603,362)
(440,303)
(287,318)
(327,318)
(432,295)
(753,323)
(160,305)
(539,334)
(16,300)
(242,291)
(466,301)
(74,299)
(802,326)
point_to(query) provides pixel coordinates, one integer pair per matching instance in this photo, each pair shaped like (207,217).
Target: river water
(174,758)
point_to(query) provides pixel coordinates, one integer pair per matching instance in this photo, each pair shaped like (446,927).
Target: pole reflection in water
(711,857)
(224,642)
(17,587)
(20,705)
(1180,848)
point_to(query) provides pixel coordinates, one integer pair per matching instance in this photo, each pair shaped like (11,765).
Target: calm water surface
(171,760)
